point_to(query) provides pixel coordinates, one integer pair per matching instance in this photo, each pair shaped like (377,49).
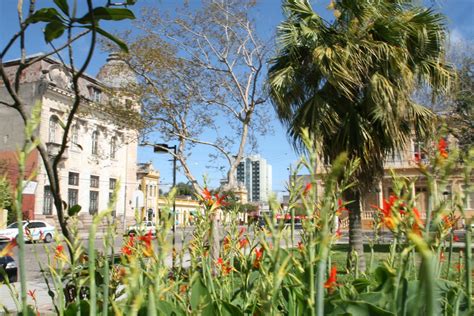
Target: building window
(72,195)
(113,147)
(73,178)
(93,202)
(75,134)
(53,122)
(47,201)
(418,150)
(112,183)
(94,181)
(469,197)
(96,94)
(95,142)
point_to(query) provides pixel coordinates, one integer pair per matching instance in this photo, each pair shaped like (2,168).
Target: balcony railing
(53,150)
(405,159)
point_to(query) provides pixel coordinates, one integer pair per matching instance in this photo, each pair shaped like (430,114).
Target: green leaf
(53,30)
(45,15)
(199,294)
(232,309)
(62,4)
(102,13)
(114,39)
(74,210)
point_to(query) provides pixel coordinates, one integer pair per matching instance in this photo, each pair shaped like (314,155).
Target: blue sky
(275,147)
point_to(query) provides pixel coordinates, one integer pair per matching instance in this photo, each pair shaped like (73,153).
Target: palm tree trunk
(356,242)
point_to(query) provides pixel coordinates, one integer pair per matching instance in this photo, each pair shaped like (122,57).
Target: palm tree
(350,82)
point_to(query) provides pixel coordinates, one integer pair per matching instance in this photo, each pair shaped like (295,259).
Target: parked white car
(33,231)
(142,229)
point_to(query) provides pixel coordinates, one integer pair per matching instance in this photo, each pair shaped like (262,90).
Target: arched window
(113,147)
(75,134)
(53,122)
(95,142)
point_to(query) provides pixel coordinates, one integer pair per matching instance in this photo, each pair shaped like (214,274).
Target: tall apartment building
(101,154)
(256,175)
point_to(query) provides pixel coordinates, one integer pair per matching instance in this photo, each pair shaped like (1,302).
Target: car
(8,269)
(33,231)
(142,229)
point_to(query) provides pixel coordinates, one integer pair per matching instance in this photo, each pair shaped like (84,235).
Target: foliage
(272,270)
(350,82)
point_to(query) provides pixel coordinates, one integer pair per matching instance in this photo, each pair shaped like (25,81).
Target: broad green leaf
(62,4)
(45,15)
(102,13)
(114,39)
(53,30)
(73,210)
(199,294)
(232,309)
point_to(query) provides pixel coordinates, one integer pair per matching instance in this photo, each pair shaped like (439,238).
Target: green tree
(350,81)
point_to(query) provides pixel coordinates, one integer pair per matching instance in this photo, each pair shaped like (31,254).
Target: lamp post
(165,148)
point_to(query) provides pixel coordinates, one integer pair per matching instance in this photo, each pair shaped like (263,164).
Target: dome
(116,73)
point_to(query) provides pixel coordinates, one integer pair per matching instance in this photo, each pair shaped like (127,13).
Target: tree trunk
(356,242)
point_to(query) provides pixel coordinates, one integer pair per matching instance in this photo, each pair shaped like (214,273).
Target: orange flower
(331,281)
(220,261)
(226,242)
(220,200)
(183,288)
(340,207)
(442,148)
(243,242)
(8,250)
(307,188)
(338,233)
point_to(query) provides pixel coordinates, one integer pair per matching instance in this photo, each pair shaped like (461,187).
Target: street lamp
(165,148)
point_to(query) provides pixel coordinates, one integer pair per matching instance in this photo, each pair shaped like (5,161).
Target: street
(40,253)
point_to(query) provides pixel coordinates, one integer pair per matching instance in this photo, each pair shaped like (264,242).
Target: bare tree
(201,77)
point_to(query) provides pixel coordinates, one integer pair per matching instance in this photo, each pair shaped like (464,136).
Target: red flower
(127,249)
(243,242)
(459,267)
(441,256)
(220,261)
(258,257)
(331,281)
(300,245)
(442,148)
(59,253)
(338,233)
(455,238)
(147,239)
(32,294)
(307,188)
(220,200)
(206,195)
(148,251)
